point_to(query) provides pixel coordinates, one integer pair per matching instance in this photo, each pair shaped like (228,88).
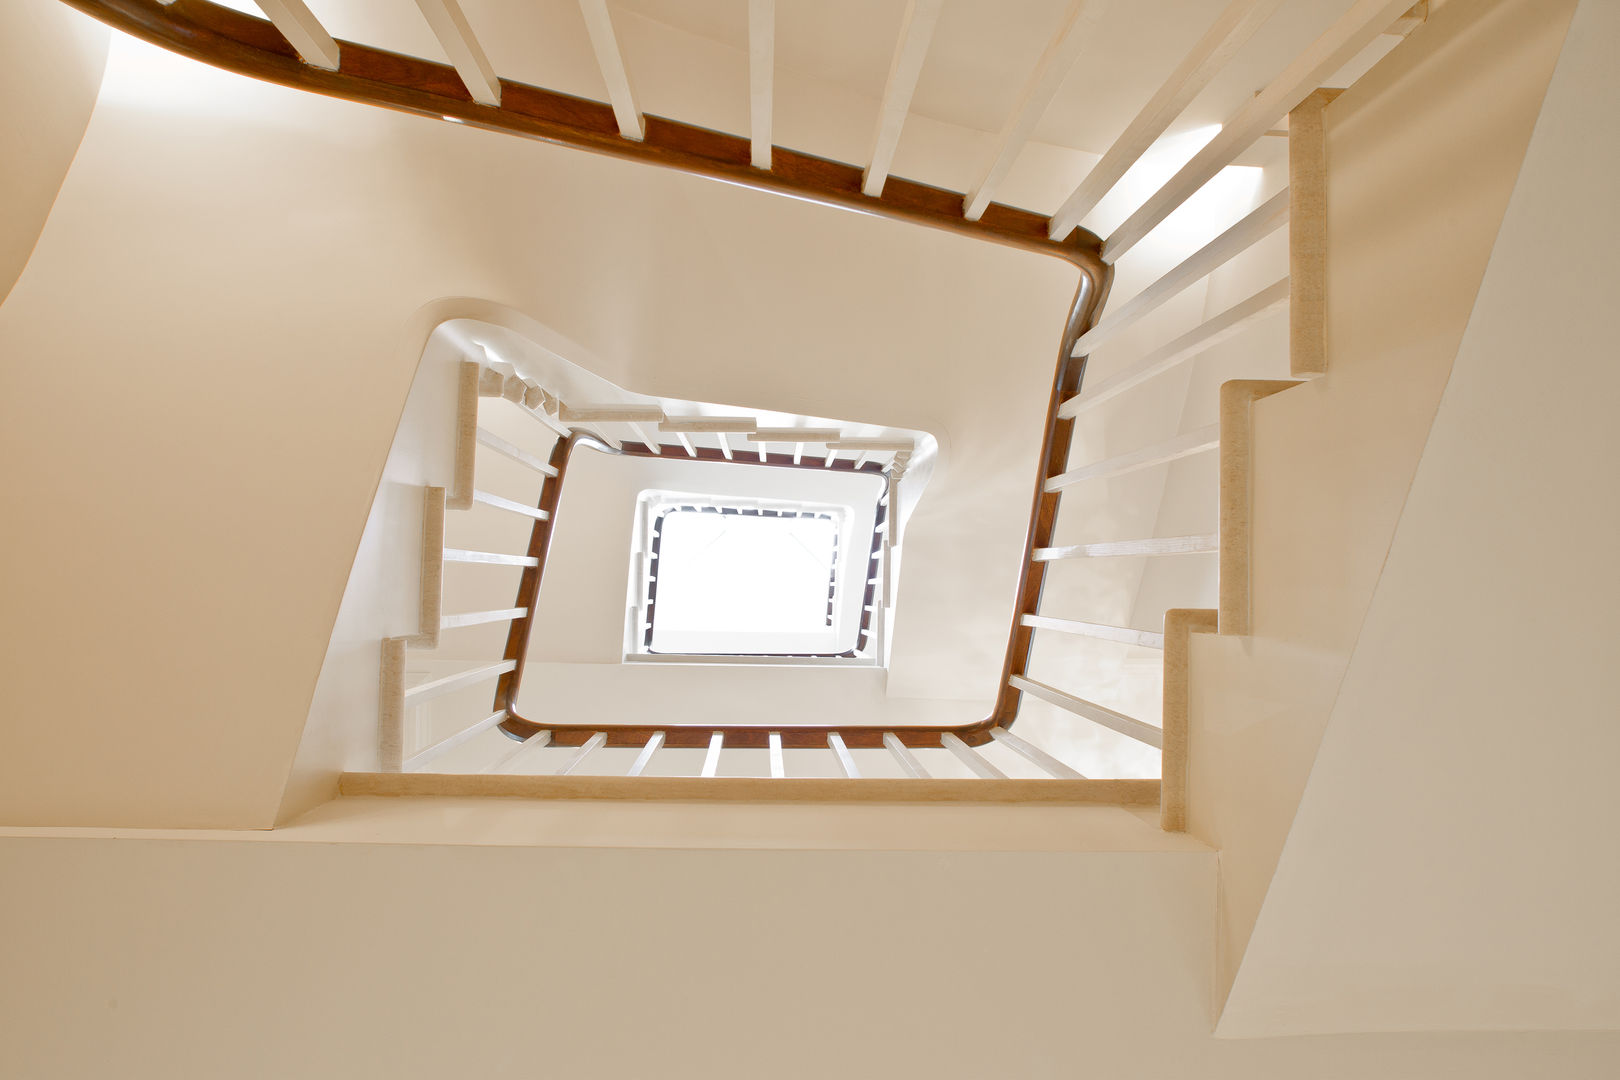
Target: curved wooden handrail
(228,39)
(517,638)
(1043,521)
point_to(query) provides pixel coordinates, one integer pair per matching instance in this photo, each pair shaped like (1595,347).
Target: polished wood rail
(517,643)
(251,46)
(228,39)
(517,639)
(1042,527)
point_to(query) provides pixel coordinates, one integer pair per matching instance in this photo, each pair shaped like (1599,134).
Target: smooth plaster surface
(1453,863)
(49,88)
(1422,156)
(256,259)
(340,960)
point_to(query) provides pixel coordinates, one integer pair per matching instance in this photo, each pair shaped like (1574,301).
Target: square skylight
(713,576)
(721,571)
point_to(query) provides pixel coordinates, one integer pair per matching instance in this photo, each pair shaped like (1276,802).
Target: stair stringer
(473,382)
(1421,155)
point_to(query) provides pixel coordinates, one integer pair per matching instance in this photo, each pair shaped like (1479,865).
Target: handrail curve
(225,38)
(250,46)
(1066,381)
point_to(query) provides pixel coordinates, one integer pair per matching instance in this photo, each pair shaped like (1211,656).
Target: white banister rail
(761,65)
(1198,441)
(478,618)
(794,435)
(1167,545)
(545,417)
(1108,718)
(445,745)
(646,440)
(632,416)
(644,758)
(605,44)
(707,424)
(458,681)
(450,26)
(711,760)
(303,32)
(502,503)
(686,443)
(899,446)
(478,381)
(645,416)
(577,759)
(1073,33)
(916,31)
(493,558)
(611,414)
(1220,42)
(1258,224)
(846,761)
(971,758)
(532,743)
(1042,760)
(516,453)
(718,426)
(1338,46)
(1199,339)
(1124,635)
(904,757)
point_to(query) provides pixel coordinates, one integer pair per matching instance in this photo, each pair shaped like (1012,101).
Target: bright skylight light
(746,579)
(742,574)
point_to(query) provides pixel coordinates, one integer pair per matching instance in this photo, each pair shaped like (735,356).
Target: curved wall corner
(51,63)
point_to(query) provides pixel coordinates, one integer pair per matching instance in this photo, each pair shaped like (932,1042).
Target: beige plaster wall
(51,59)
(1422,156)
(276,959)
(220,324)
(1453,863)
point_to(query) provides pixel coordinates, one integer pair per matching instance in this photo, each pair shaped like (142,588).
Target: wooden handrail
(217,35)
(228,39)
(1043,521)
(517,641)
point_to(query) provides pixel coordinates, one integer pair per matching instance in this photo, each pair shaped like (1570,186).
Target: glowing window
(758,574)
(751,578)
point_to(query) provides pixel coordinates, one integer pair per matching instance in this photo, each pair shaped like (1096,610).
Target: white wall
(237,271)
(1422,157)
(1453,863)
(382,595)
(218,326)
(342,959)
(51,61)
